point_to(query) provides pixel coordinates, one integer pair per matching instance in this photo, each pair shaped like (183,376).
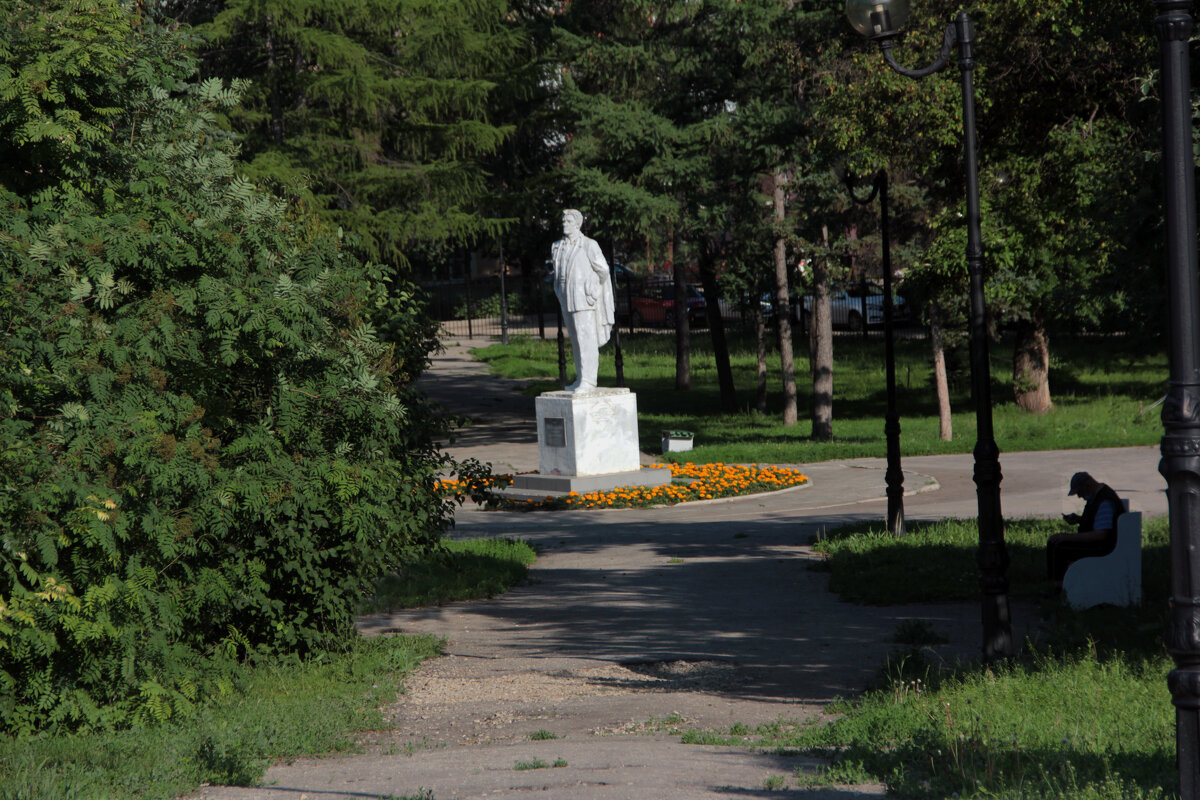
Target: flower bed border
(690,483)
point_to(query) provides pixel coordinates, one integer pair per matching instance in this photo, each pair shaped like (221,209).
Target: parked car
(625,288)
(737,308)
(766,305)
(655,305)
(846,307)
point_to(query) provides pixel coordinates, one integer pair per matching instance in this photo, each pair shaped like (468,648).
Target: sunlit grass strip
(1103,392)
(1065,726)
(691,482)
(463,569)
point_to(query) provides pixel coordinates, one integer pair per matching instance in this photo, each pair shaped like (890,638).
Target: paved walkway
(636,620)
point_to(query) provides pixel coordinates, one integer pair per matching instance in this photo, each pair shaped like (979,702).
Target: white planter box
(676,445)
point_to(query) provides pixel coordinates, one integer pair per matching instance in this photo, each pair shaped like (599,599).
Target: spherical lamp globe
(877,19)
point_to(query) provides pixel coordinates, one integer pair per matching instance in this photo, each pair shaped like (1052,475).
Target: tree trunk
(1031,368)
(716,329)
(274,97)
(683,333)
(783,320)
(760,340)
(821,331)
(941,385)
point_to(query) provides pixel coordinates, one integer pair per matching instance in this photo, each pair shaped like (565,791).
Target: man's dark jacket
(1087,521)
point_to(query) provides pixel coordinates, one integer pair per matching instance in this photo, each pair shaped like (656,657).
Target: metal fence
(472,307)
(492,306)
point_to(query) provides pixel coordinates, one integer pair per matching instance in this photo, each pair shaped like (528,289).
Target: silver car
(846,306)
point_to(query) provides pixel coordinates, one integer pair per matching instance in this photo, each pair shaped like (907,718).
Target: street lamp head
(877,19)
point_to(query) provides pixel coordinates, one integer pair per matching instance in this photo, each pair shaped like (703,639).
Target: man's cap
(1080,480)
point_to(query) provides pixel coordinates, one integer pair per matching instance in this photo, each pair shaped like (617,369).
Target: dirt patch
(687,676)
(463,700)
(452,681)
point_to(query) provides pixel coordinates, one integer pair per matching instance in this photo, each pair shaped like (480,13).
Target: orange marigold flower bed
(475,486)
(690,482)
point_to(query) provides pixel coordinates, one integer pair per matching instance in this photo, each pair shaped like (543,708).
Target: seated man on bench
(1097,533)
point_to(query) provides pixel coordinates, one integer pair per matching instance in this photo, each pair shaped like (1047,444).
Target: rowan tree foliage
(205,447)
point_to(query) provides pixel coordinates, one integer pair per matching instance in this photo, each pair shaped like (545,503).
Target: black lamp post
(894,477)
(503,300)
(880,21)
(562,347)
(618,356)
(1180,463)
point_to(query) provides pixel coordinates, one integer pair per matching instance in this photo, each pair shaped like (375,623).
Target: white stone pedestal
(587,434)
(589,442)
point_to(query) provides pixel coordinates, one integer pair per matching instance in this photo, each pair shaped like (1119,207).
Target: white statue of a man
(586,296)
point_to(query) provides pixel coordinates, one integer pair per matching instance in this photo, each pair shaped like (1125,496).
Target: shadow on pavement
(738,594)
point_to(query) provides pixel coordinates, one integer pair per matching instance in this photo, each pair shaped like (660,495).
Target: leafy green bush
(205,447)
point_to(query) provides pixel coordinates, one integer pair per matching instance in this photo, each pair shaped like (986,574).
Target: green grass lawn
(1105,391)
(936,560)
(272,710)
(1082,714)
(465,569)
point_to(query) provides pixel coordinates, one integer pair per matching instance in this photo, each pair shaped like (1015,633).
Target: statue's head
(572,221)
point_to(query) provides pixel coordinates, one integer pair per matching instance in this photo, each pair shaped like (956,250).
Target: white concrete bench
(1116,578)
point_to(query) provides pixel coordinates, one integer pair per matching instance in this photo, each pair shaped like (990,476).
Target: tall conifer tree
(683,109)
(384,111)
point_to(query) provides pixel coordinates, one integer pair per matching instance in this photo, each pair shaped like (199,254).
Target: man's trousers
(585,349)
